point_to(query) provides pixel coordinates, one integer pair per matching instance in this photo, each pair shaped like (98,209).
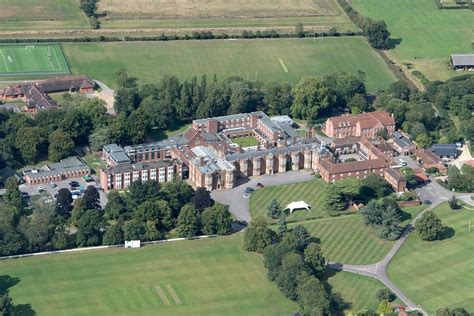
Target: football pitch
(32,59)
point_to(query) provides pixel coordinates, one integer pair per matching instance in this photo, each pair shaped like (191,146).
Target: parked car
(246,195)
(40,188)
(73,184)
(87,178)
(53,185)
(260,185)
(249,190)
(402,161)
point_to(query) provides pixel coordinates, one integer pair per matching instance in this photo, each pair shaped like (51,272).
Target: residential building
(445,151)
(403,144)
(427,159)
(365,124)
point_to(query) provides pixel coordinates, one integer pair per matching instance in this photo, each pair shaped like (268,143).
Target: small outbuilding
(445,150)
(298,206)
(462,62)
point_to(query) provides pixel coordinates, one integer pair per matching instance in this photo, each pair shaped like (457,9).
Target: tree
(341,193)
(91,198)
(424,140)
(258,236)
(292,266)
(63,203)
(99,137)
(374,186)
(385,294)
(409,176)
(312,98)
(429,226)
(6,305)
(274,209)
(77,124)
(384,308)
(36,229)
(377,35)
(133,230)
(282,227)
(156,211)
(313,298)
(390,228)
(313,257)
(453,202)
(202,199)
(299,29)
(298,239)
(139,192)
(60,145)
(216,220)
(116,209)
(188,222)
(12,196)
(89,229)
(383,133)
(126,100)
(31,142)
(113,235)
(124,80)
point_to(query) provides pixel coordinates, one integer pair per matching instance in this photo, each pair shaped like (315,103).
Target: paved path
(239,206)
(107,95)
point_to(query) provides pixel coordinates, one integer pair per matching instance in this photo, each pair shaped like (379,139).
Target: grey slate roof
(444,150)
(401,140)
(462,59)
(117,153)
(70,164)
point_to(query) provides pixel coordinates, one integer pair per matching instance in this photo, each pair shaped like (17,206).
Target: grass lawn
(346,239)
(32,59)
(356,290)
(245,141)
(201,277)
(428,35)
(18,15)
(188,14)
(439,273)
(94,162)
(312,192)
(250,59)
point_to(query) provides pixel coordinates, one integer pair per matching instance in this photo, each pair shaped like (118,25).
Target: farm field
(252,59)
(32,15)
(32,59)
(439,273)
(312,192)
(201,277)
(428,35)
(215,14)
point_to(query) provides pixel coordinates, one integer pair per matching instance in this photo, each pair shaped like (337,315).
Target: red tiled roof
(353,166)
(366,120)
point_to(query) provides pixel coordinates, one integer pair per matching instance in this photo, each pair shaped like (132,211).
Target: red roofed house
(365,124)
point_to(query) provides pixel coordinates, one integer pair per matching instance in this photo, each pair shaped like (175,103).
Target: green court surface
(32,59)
(257,59)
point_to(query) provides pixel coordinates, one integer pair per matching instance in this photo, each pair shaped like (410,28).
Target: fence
(101,247)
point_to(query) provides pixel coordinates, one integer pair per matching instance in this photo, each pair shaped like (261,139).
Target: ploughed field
(223,14)
(282,60)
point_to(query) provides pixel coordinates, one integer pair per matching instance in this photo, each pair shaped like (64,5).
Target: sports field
(214,14)
(439,273)
(312,192)
(252,59)
(428,35)
(20,15)
(200,277)
(246,141)
(32,59)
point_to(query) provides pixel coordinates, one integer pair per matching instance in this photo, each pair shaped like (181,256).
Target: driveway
(239,206)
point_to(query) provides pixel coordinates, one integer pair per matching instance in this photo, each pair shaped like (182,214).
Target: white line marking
(3,55)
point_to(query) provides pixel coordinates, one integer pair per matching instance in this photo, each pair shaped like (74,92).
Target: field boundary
(163,241)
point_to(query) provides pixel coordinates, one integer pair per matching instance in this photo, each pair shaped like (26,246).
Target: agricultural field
(428,35)
(283,60)
(36,15)
(439,273)
(37,59)
(201,277)
(218,14)
(312,192)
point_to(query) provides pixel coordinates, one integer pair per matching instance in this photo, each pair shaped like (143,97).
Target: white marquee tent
(298,205)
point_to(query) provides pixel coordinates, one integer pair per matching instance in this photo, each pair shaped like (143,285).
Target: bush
(385,294)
